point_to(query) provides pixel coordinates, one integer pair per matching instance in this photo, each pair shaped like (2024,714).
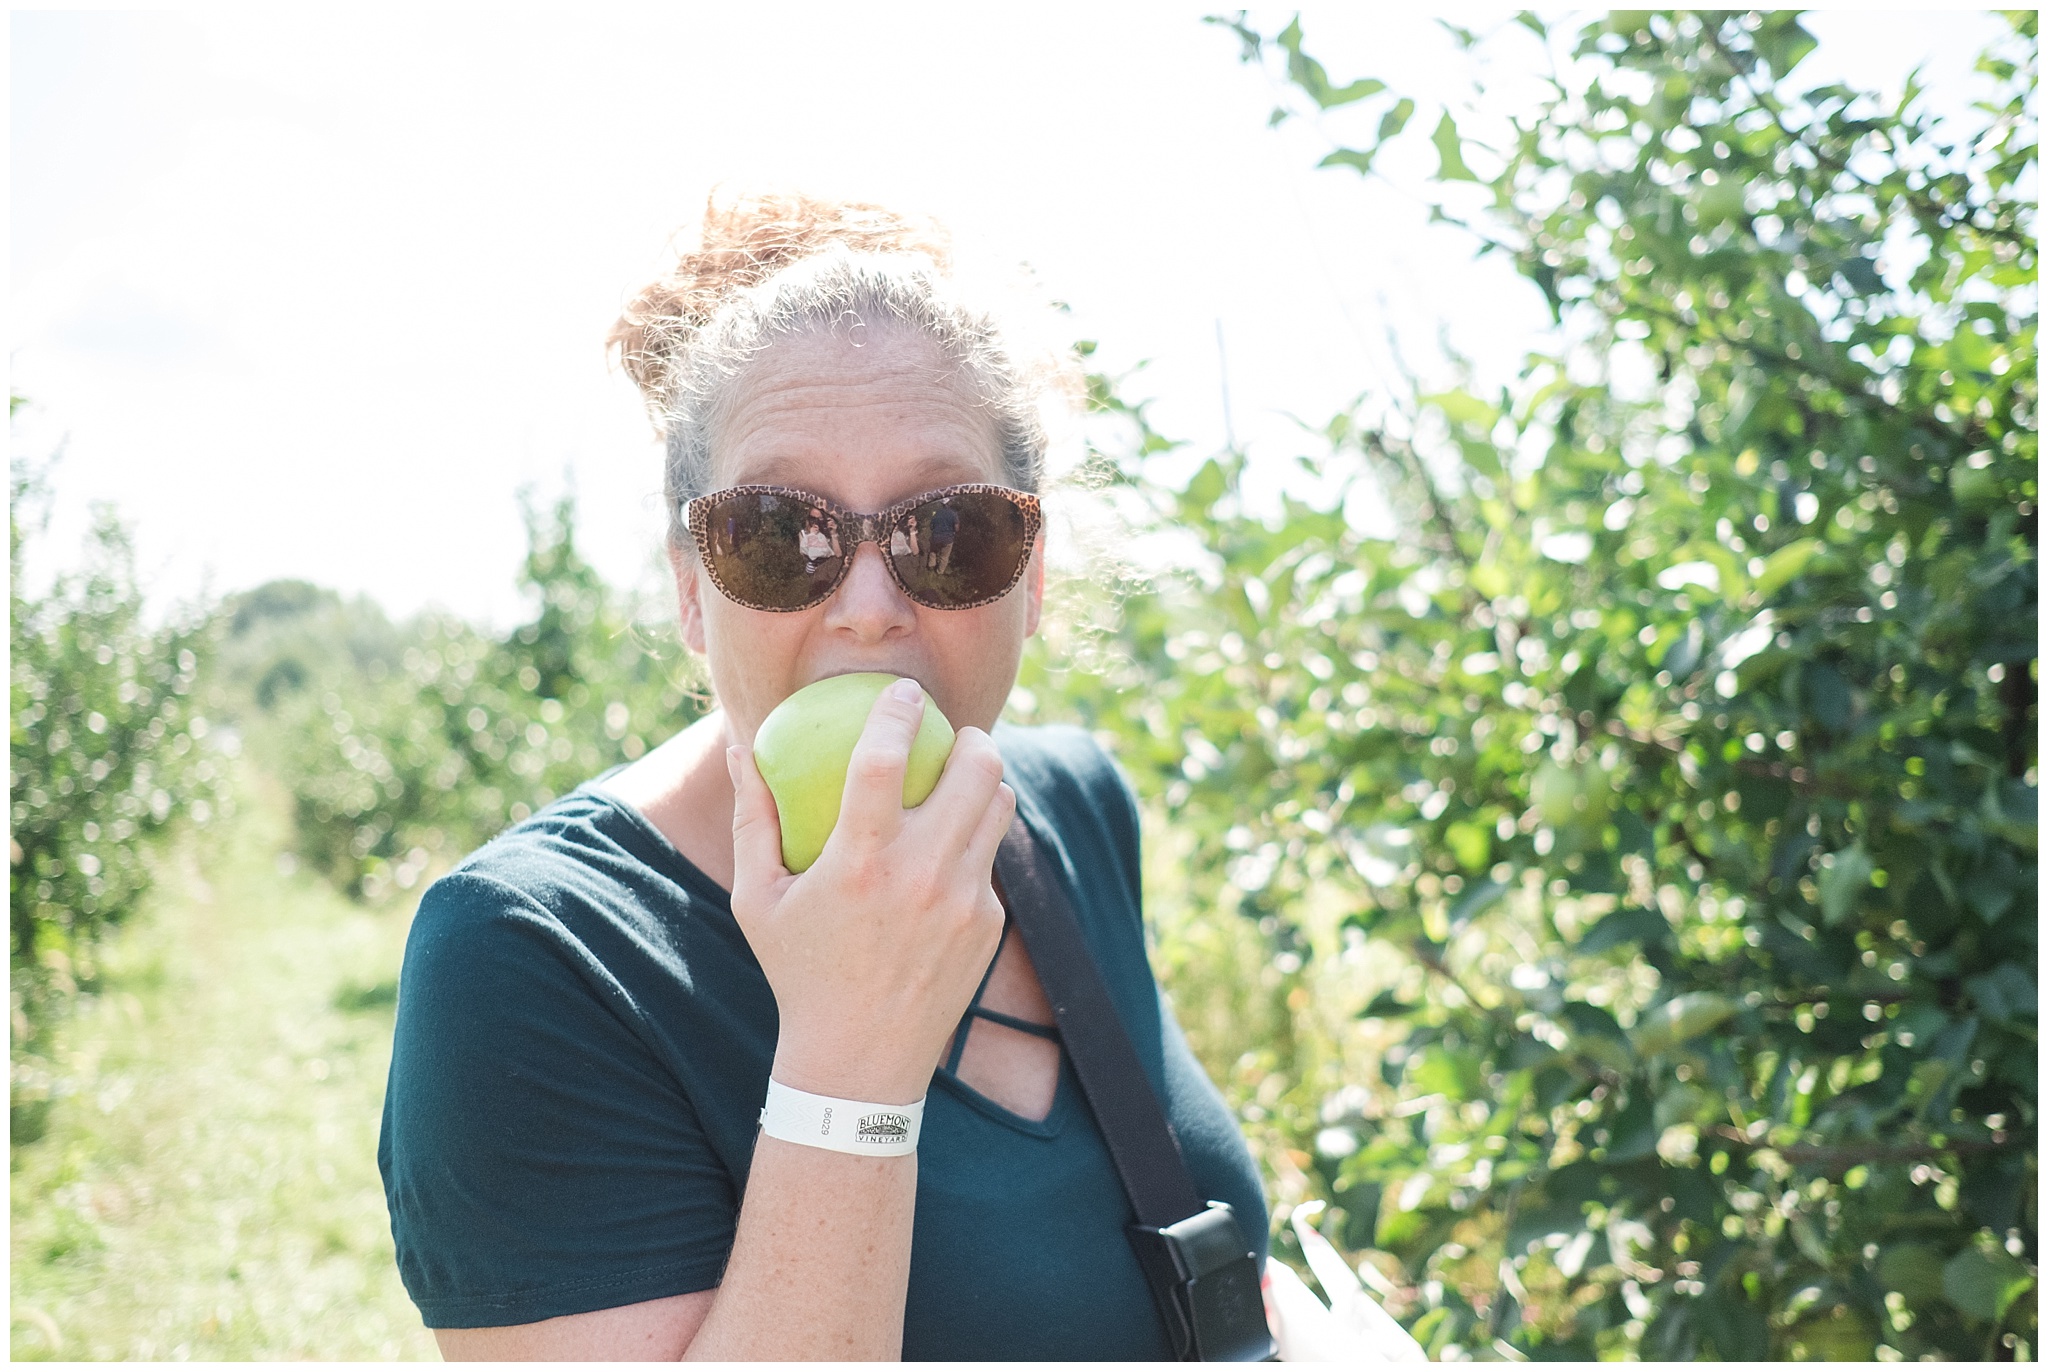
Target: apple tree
(1642,841)
(406,745)
(107,754)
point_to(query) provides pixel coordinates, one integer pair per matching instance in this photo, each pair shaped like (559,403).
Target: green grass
(204,1184)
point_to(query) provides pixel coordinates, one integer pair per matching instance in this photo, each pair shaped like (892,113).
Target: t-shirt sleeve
(1090,798)
(537,1159)
(1119,802)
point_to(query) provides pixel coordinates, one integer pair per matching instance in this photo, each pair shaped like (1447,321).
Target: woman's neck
(684,790)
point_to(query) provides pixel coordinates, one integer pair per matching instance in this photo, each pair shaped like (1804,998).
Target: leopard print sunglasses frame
(759,558)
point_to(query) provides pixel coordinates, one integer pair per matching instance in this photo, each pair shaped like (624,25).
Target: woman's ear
(689,597)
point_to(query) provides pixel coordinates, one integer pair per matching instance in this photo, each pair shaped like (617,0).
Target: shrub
(106,753)
(407,745)
(1643,839)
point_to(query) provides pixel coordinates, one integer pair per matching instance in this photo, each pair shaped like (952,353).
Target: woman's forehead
(855,420)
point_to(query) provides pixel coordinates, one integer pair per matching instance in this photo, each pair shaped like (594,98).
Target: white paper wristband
(844,1126)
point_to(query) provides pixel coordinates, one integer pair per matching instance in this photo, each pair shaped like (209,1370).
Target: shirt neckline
(1051,1126)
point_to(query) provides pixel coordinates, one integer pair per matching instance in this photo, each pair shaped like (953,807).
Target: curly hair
(770,266)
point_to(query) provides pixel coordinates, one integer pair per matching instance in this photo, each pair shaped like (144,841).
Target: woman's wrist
(864,1128)
(848,1072)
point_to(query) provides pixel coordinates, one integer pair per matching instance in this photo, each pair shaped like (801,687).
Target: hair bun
(746,237)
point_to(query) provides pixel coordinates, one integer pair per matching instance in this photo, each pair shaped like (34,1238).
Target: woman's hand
(874,952)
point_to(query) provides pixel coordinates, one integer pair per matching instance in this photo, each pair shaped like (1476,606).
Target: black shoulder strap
(1203,1274)
(1133,1123)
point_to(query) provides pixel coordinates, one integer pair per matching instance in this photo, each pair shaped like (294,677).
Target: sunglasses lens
(960,549)
(770,552)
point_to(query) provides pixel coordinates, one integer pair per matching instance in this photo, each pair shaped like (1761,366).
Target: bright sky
(315,293)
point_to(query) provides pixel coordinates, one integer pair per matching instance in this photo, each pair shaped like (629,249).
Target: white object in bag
(1353,1328)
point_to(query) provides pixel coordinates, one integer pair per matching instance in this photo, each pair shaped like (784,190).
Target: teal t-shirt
(583,1046)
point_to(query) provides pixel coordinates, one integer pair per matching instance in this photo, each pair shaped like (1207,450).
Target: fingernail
(732,764)
(907,691)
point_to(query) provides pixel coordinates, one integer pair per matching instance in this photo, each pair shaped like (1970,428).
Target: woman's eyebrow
(946,470)
(926,473)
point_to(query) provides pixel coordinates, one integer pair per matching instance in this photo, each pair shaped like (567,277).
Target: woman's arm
(818,1271)
(873,955)
(651,1331)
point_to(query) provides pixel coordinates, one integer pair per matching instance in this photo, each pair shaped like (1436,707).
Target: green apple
(804,745)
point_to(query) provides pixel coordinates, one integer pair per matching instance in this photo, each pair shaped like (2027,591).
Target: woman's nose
(869,604)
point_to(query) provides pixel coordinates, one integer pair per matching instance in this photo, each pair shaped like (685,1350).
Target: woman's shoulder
(1059,761)
(586,856)
(1061,772)
(581,905)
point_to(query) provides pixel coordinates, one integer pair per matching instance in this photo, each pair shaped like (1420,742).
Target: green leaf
(1464,409)
(1594,1034)
(1207,485)
(1827,695)
(1678,1019)
(1590,1021)
(1472,844)
(2007,992)
(1992,885)
(1464,37)
(1450,152)
(1626,926)
(1720,202)
(1785,564)
(1358,159)
(1633,1134)
(1396,119)
(2018,809)
(1975,487)
(1309,74)
(1385,1004)
(1445,1072)
(1739,1328)
(1842,882)
(1914,1271)
(1357,90)
(1250,43)
(1782,42)
(1860,275)
(1685,654)
(1837,1334)
(1983,1285)
(1475,901)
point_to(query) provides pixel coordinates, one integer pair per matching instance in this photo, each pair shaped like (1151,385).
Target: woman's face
(866,426)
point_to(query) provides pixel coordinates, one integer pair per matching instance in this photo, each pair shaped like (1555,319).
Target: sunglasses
(780,549)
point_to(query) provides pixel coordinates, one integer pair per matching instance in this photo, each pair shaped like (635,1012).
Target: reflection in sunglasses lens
(961,549)
(772,552)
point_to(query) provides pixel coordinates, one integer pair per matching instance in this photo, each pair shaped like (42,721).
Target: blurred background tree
(406,744)
(106,757)
(1642,841)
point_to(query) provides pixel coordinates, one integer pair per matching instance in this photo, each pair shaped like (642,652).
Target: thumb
(756,827)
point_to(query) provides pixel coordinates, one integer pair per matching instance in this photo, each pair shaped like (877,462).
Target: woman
(596,1004)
